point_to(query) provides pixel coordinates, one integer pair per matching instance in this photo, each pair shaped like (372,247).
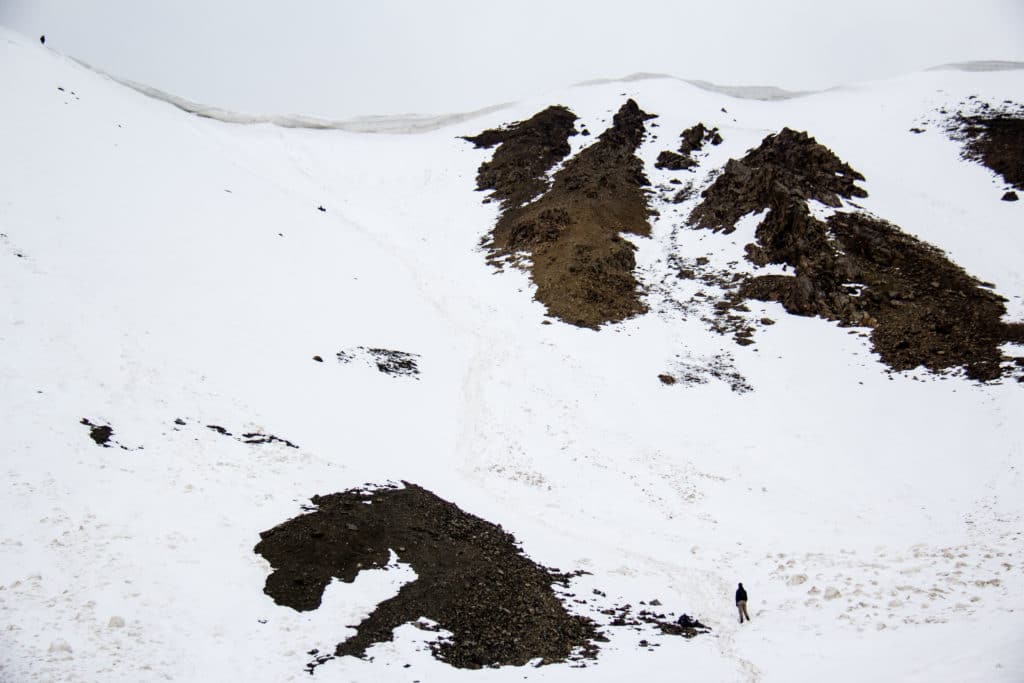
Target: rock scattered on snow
(992,136)
(101,434)
(254,438)
(387,361)
(693,140)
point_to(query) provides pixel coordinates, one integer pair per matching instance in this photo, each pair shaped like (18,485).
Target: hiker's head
(741,585)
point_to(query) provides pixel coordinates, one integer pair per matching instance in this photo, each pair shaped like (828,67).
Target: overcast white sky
(339,59)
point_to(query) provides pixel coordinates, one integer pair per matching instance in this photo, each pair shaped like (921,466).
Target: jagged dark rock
(692,140)
(923,309)
(673,161)
(787,167)
(101,434)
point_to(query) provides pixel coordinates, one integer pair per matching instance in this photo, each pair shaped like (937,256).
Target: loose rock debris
(261,438)
(694,371)
(473,580)
(992,136)
(789,167)
(684,626)
(692,140)
(256,438)
(388,361)
(101,434)
(569,236)
(923,309)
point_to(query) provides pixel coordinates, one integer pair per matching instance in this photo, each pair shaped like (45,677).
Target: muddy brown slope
(923,309)
(472,579)
(581,265)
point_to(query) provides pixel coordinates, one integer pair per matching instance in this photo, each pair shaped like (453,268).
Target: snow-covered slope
(156,266)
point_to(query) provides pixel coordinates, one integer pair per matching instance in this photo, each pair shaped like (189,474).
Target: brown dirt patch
(472,578)
(923,309)
(993,136)
(571,235)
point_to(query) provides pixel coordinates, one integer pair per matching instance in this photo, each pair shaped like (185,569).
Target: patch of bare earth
(569,236)
(923,309)
(472,578)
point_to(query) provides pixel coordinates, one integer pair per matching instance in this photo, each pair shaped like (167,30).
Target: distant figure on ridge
(741,603)
(42,39)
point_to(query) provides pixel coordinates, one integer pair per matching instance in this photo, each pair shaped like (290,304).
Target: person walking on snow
(741,603)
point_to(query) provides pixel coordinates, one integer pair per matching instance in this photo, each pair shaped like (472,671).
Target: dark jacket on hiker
(741,594)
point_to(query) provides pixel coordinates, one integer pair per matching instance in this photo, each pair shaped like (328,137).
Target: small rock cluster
(692,140)
(101,434)
(387,361)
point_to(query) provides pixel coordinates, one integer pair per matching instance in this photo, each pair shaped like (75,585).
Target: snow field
(173,267)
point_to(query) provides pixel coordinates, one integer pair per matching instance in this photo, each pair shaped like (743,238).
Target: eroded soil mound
(993,136)
(472,579)
(570,235)
(924,309)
